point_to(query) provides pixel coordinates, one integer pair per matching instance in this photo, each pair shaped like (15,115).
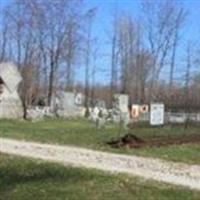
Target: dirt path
(169,172)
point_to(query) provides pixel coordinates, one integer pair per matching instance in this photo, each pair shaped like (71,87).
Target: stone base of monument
(11,108)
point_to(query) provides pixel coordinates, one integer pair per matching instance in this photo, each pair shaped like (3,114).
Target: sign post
(157,114)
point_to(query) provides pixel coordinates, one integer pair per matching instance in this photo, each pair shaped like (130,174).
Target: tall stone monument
(10,102)
(120,108)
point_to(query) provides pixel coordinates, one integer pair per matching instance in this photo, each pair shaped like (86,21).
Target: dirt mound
(184,139)
(132,141)
(129,140)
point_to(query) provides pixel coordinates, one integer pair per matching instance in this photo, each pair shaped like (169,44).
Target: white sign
(157,114)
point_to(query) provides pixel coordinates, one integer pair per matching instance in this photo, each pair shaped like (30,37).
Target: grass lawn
(27,179)
(84,134)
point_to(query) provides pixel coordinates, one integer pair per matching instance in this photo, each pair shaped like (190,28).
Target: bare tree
(179,19)
(159,24)
(56,37)
(187,79)
(126,45)
(3,40)
(87,52)
(72,43)
(114,53)
(134,60)
(95,55)
(42,35)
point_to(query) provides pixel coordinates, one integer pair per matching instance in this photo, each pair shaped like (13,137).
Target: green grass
(26,179)
(83,133)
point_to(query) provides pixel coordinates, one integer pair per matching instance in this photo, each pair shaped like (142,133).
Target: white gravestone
(94,114)
(157,114)
(64,104)
(79,99)
(120,109)
(10,102)
(121,101)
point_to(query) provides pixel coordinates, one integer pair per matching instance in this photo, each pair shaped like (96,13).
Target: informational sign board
(157,114)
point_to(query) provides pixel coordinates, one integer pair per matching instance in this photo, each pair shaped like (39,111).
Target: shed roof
(10,76)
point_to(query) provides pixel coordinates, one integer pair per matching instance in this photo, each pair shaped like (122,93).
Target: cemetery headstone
(10,102)
(122,101)
(120,109)
(79,99)
(64,104)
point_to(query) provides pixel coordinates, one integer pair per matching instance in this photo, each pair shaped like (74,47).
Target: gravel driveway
(149,168)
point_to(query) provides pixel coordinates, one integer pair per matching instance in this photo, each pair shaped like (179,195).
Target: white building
(10,102)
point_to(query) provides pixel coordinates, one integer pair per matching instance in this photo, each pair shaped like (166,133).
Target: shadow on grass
(16,173)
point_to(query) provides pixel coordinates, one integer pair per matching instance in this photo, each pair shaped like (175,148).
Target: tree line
(49,40)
